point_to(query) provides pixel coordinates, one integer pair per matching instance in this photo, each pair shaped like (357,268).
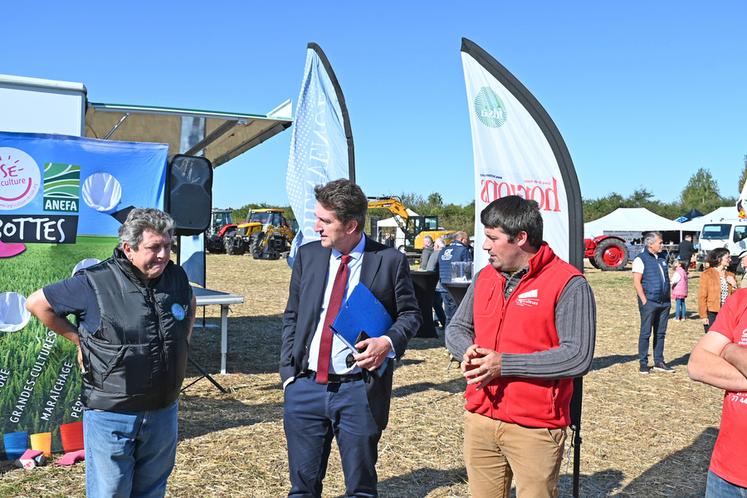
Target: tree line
(701,192)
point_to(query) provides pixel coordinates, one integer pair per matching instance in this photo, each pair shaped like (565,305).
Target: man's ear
(351,227)
(521,239)
(128,250)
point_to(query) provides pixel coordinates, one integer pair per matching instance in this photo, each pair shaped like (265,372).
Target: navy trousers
(654,318)
(313,415)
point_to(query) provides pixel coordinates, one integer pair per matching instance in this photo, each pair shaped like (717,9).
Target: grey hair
(650,237)
(141,219)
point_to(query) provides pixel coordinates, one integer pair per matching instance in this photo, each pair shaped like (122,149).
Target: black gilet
(136,359)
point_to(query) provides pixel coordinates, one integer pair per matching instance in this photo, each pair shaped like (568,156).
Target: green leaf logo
(489,108)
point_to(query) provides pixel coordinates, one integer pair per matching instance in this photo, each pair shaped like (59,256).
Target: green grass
(40,265)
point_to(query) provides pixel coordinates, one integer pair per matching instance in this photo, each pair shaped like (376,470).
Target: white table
(207,297)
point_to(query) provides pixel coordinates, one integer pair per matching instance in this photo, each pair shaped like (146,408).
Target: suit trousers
(497,451)
(313,415)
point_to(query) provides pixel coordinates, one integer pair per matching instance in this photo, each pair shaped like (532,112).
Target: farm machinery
(221,224)
(414,227)
(606,252)
(265,234)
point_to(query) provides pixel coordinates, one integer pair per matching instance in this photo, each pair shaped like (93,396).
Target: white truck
(730,233)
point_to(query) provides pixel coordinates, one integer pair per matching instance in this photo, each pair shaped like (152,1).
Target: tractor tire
(611,255)
(215,245)
(234,246)
(594,263)
(256,246)
(228,244)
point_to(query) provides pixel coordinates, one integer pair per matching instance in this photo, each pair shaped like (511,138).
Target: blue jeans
(438,307)
(129,454)
(719,488)
(680,308)
(654,317)
(450,306)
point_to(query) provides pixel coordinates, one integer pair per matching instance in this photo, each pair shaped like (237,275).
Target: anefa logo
(19,178)
(61,187)
(489,108)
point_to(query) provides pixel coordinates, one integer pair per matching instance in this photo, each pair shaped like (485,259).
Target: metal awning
(218,136)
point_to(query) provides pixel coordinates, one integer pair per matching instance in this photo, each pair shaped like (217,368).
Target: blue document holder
(362,312)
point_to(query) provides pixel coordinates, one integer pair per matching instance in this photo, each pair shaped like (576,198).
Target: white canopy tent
(630,220)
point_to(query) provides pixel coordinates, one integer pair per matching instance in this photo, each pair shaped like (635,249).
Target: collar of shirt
(512,280)
(356,254)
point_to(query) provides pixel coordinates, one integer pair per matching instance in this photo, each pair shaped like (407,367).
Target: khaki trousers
(496,451)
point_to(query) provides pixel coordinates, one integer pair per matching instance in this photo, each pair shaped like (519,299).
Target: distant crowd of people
(718,359)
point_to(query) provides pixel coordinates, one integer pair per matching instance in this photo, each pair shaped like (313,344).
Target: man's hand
(705,321)
(375,352)
(481,366)
(80,360)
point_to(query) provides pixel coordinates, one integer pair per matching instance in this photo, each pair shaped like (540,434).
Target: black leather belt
(334,378)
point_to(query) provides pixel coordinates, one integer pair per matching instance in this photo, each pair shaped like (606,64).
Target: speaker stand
(205,375)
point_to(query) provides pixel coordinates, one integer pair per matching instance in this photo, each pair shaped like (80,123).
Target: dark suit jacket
(386,273)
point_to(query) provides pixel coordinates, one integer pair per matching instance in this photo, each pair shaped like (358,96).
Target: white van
(728,233)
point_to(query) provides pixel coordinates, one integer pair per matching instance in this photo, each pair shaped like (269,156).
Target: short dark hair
(346,199)
(714,257)
(514,214)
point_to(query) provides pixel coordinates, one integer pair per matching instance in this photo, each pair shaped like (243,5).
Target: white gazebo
(630,223)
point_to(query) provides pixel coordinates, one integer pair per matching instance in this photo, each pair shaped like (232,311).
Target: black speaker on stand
(189,185)
(189,201)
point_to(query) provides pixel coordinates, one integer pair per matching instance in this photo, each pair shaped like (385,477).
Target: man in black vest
(686,250)
(651,282)
(135,313)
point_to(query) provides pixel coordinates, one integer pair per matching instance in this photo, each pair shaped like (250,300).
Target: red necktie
(333,309)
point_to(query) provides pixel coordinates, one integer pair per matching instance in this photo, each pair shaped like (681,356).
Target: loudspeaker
(189,183)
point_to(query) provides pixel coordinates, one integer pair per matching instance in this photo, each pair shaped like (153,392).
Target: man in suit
(328,391)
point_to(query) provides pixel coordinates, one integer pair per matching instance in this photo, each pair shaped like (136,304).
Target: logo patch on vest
(178,311)
(528,298)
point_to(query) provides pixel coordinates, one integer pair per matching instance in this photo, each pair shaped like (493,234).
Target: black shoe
(663,367)
(643,370)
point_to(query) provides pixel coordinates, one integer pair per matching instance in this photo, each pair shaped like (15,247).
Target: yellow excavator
(415,227)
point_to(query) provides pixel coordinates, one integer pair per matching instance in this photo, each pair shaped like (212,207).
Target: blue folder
(362,312)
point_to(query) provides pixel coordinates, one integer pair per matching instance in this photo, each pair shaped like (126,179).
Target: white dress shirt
(339,350)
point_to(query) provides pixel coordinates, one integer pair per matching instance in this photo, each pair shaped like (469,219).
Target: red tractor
(606,252)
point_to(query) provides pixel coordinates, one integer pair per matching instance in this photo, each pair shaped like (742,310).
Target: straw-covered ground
(643,436)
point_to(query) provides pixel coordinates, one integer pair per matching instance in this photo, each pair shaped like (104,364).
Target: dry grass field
(645,436)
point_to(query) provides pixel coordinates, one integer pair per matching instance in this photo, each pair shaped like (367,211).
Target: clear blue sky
(644,93)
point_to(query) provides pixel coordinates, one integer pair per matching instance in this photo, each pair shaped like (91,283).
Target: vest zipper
(154,304)
(500,327)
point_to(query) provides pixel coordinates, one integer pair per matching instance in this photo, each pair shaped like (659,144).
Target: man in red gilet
(525,328)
